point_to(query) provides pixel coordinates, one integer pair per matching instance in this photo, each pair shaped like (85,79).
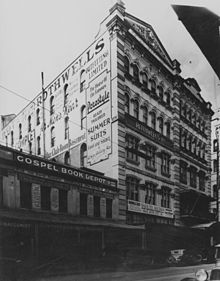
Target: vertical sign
(98,94)
(36,199)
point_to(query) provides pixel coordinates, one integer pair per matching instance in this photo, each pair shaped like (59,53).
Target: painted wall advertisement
(99,119)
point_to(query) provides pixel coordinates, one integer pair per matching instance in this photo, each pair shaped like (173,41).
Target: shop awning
(203,25)
(31,217)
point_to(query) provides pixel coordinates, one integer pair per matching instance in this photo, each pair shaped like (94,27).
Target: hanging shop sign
(148,209)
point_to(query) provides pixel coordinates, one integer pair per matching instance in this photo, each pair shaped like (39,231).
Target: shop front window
(83,204)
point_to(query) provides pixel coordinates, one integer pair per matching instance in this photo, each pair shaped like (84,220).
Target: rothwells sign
(45,165)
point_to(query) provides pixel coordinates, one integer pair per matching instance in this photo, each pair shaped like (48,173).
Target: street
(169,273)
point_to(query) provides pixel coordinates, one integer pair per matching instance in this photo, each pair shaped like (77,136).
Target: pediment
(147,33)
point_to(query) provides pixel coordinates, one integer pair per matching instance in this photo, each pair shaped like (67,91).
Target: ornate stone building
(123,109)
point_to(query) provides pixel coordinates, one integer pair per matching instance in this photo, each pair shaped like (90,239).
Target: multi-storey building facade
(122,109)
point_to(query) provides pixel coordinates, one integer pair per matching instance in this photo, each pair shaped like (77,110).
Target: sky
(47,35)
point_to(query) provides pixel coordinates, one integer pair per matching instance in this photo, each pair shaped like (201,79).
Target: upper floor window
(66,128)
(67,158)
(150,156)
(215,165)
(136,109)
(12,138)
(168,98)
(153,86)
(160,93)
(145,80)
(193,177)
(82,80)
(165,163)
(83,117)
(38,146)
(29,123)
(160,120)
(52,106)
(168,129)
(215,191)
(202,180)
(6,140)
(132,187)
(135,72)
(127,104)
(20,131)
(145,115)
(65,94)
(126,65)
(183,172)
(38,116)
(52,136)
(131,144)
(215,145)
(165,197)
(30,147)
(150,197)
(153,120)
(83,155)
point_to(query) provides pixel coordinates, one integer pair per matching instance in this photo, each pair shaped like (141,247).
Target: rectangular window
(96,206)
(215,165)
(150,197)
(108,208)
(131,144)
(63,201)
(165,197)
(132,185)
(83,204)
(193,177)
(215,145)
(183,172)
(202,180)
(25,195)
(150,157)
(45,197)
(165,164)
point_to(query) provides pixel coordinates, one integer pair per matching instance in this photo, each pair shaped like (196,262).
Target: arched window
(153,120)
(168,129)
(160,120)
(153,86)
(29,123)
(12,138)
(160,93)
(20,131)
(38,146)
(82,80)
(38,116)
(66,128)
(127,104)
(136,109)
(145,80)
(66,94)
(67,158)
(52,107)
(52,138)
(126,65)
(145,115)
(83,117)
(135,72)
(83,155)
